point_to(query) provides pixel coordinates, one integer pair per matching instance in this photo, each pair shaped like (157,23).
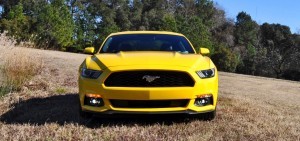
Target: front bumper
(201,87)
(115,114)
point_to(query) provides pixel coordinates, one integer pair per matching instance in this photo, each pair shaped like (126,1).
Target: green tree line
(240,45)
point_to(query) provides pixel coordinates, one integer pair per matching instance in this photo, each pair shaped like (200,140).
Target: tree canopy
(239,45)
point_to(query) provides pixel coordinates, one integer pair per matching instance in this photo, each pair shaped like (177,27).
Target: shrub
(225,60)
(19,66)
(4,90)
(291,75)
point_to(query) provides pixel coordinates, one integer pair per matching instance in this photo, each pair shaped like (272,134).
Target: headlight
(93,74)
(206,73)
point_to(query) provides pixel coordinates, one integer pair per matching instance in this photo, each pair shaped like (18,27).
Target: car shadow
(63,109)
(59,109)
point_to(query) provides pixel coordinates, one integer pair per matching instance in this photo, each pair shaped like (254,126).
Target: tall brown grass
(18,67)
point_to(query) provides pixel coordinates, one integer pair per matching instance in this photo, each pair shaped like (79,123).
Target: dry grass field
(249,108)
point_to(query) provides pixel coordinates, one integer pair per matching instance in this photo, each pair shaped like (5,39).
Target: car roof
(146,32)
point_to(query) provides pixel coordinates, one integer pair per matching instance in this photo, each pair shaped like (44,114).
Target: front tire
(209,116)
(83,114)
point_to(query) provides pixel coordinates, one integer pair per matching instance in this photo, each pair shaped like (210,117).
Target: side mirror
(204,51)
(89,50)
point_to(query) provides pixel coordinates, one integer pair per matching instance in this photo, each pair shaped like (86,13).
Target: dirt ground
(249,108)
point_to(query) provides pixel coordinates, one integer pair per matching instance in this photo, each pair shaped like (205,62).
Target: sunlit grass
(60,90)
(18,67)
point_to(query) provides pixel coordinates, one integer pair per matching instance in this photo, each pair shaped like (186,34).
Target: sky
(284,12)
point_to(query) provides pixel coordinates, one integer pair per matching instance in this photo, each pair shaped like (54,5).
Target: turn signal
(93,95)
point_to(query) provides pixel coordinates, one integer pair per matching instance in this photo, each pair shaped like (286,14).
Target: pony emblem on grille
(150,78)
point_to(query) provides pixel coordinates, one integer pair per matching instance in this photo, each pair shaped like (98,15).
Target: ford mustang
(148,72)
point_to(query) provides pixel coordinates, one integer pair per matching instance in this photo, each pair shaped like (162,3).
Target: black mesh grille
(148,103)
(149,79)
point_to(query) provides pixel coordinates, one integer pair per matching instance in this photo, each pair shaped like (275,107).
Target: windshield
(146,42)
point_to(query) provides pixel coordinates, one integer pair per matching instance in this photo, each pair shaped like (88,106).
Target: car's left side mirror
(204,51)
(89,50)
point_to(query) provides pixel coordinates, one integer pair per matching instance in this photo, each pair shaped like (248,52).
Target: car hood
(138,58)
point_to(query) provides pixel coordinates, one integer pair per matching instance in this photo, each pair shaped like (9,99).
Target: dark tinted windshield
(146,42)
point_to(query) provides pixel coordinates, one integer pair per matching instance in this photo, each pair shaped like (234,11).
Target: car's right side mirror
(204,51)
(89,50)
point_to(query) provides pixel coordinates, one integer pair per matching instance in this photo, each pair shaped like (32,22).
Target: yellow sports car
(148,72)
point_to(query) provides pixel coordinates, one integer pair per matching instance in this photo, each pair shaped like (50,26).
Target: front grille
(149,103)
(149,79)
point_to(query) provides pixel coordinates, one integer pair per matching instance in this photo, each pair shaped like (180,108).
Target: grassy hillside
(250,108)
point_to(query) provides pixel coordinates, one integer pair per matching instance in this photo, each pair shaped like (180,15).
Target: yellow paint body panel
(148,60)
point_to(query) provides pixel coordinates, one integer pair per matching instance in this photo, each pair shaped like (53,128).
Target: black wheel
(209,116)
(83,114)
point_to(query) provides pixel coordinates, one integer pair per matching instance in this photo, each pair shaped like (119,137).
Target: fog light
(93,100)
(203,100)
